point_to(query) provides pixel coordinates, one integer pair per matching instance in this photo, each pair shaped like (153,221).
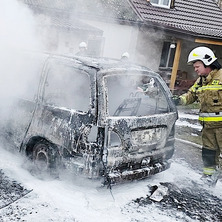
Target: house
(58,30)
(182,25)
(156,33)
(109,27)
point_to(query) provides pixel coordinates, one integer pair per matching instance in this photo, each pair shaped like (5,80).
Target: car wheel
(45,157)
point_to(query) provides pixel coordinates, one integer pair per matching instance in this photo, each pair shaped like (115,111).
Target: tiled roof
(194,17)
(115,9)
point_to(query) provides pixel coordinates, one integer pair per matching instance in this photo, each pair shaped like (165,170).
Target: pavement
(188,137)
(188,127)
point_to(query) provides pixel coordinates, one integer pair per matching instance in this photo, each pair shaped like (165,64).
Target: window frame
(143,95)
(48,79)
(160,4)
(168,56)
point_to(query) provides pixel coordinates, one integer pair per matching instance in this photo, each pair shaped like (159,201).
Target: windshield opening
(135,95)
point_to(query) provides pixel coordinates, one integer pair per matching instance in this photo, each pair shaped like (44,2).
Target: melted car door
(65,109)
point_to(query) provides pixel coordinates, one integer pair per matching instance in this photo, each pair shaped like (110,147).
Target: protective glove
(176,100)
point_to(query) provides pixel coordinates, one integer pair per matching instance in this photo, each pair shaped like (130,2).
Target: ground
(183,197)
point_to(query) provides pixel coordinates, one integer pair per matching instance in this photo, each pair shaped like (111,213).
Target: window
(161,3)
(167,56)
(135,95)
(67,87)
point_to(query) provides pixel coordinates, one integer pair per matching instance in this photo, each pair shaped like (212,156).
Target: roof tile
(200,17)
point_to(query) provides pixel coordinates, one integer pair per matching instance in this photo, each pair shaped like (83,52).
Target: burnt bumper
(130,175)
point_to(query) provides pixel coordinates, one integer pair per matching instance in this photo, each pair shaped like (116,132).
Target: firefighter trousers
(212,149)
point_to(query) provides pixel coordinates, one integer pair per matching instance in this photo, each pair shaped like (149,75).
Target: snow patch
(72,199)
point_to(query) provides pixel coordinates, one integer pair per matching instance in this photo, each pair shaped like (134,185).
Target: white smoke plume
(18,34)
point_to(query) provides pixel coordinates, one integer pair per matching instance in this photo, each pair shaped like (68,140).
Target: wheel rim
(41,158)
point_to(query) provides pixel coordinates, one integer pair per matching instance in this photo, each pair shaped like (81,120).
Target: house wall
(117,38)
(69,41)
(143,45)
(186,47)
(62,41)
(149,48)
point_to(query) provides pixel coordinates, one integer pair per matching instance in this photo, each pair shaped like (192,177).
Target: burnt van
(107,118)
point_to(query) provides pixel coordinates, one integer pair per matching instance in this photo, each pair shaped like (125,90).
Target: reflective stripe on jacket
(208,92)
(210,117)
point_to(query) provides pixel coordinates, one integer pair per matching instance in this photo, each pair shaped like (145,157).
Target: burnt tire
(46,158)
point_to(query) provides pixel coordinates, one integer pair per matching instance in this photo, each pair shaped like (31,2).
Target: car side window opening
(135,95)
(67,87)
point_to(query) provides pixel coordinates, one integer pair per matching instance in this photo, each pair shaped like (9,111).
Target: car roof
(103,63)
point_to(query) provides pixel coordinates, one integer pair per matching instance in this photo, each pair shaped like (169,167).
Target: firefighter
(82,49)
(125,57)
(207,90)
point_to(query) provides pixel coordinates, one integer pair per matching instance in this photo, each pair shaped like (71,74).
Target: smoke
(17,27)
(18,34)
(116,37)
(144,46)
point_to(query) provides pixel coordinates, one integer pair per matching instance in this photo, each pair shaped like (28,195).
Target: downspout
(175,65)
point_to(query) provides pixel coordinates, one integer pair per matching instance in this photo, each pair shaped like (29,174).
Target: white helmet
(82,45)
(125,54)
(203,54)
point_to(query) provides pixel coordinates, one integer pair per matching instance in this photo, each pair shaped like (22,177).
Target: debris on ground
(196,202)
(10,191)
(158,192)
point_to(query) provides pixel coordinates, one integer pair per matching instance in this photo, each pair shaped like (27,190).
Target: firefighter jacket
(208,92)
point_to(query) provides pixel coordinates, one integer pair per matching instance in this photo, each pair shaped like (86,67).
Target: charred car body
(107,118)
